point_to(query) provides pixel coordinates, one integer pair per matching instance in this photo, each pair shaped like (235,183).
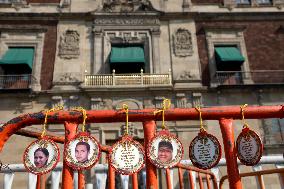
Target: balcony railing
(15,81)
(135,80)
(253,77)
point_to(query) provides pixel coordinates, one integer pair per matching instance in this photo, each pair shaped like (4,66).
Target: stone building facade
(82,57)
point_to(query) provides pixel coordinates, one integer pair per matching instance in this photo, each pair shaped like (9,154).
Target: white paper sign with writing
(249,147)
(205,151)
(127,156)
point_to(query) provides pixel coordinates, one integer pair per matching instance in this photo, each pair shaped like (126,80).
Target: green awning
(18,55)
(127,54)
(228,54)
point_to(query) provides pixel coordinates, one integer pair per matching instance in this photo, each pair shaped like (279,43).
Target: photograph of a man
(165,151)
(82,151)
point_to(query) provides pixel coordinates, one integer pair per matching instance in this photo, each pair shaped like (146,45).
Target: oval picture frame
(205,151)
(41,156)
(165,150)
(82,152)
(127,156)
(249,147)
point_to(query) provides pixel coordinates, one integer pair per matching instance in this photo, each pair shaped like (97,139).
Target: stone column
(156,50)
(98,51)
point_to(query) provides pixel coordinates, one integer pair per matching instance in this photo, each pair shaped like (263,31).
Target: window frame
(35,39)
(225,37)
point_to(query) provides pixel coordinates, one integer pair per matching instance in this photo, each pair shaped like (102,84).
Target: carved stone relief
(69,45)
(126,6)
(126,21)
(182,43)
(68,103)
(66,79)
(186,75)
(181,101)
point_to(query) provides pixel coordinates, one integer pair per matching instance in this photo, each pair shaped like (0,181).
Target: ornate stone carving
(69,45)
(182,43)
(186,75)
(125,6)
(129,21)
(66,78)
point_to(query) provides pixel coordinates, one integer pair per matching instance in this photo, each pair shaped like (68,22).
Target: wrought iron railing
(252,77)
(15,81)
(137,80)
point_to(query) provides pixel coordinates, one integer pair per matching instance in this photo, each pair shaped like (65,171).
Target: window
(265,2)
(127,59)
(16,68)
(243,2)
(228,63)
(231,41)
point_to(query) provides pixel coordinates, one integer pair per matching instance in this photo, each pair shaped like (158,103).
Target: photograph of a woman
(41,156)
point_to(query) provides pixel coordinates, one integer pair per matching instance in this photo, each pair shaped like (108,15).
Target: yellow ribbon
(243,115)
(125,107)
(57,108)
(166,105)
(84,112)
(198,108)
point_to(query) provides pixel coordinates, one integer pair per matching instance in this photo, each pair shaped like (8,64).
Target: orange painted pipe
(201,186)
(134,181)
(151,172)
(67,173)
(168,178)
(107,116)
(227,130)
(111,176)
(208,181)
(38,182)
(81,180)
(180,176)
(191,181)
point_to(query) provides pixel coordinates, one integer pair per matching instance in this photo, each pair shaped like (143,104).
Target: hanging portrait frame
(118,156)
(170,144)
(93,154)
(41,146)
(207,144)
(248,144)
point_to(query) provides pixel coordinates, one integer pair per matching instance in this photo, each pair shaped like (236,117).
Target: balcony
(256,77)
(15,81)
(128,80)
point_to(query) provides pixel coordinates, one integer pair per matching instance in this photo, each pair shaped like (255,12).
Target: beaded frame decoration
(29,156)
(174,145)
(201,144)
(124,149)
(249,147)
(94,152)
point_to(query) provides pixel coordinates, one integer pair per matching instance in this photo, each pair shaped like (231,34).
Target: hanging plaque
(165,150)
(249,147)
(205,150)
(127,156)
(41,156)
(82,152)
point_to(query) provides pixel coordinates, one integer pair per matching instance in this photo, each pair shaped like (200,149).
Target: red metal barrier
(224,114)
